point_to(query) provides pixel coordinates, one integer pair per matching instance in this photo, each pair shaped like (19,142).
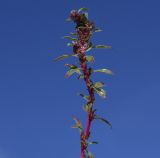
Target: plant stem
(90,114)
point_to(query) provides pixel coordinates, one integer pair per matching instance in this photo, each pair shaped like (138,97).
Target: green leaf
(99,84)
(81,76)
(101,92)
(72,71)
(90,58)
(73,33)
(94,142)
(69,44)
(64,56)
(68,19)
(90,155)
(82,9)
(97,30)
(86,15)
(106,71)
(89,47)
(102,46)
(71,66)
(71,38)
(87,107)
(84,96)
(103,120)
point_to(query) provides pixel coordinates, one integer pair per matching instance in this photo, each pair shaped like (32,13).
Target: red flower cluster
(84,29)
(79,48)
(75,16)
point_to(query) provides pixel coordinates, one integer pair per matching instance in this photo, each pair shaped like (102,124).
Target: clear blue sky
(37,103)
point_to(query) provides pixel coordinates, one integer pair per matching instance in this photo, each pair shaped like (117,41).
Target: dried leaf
(78,124)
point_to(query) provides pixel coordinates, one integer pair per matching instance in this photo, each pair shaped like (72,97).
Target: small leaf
(82,9)
(90,155)
(107,71)
(103,120)
(68,19)
(71,66)
(69,44)
(102,46)
(101,92)
(94,142)
(89,47)
(90,58)
(87,107)
(97,30)
(99,84)
(71,38)
(64,56)
(73,33)
(86,15)
(81,76)
(72,71)
(84,96)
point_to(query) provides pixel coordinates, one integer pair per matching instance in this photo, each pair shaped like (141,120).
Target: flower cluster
(79,48)
(84,26)
(75,16)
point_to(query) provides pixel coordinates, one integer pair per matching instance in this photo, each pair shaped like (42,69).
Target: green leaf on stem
(71,66)
(68,19)
(90,58)
(65,56)
(106,71)
(89,47)
(72,71)
(69,44)
(81,76)
(103,120)
(86,15)
(82,9)
(90,155)
(84,96)
(73,33)
(87,107)
(71,38)
(97,30)
(99,84)
(101,92)
(94,142)
(102,46)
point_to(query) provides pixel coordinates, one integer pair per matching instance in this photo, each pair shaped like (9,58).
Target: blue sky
(37,103)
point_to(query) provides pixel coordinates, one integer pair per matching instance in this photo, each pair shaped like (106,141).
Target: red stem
(86,133)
